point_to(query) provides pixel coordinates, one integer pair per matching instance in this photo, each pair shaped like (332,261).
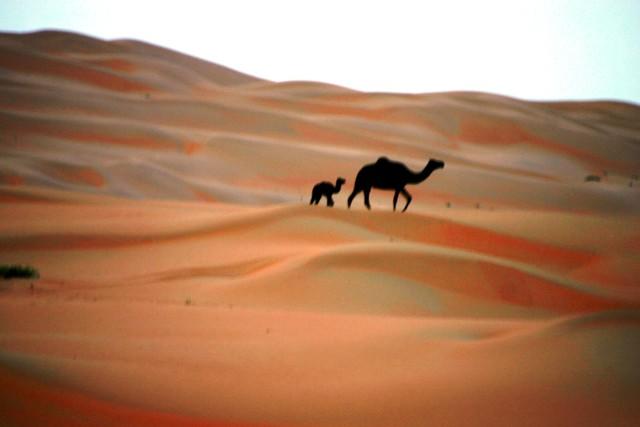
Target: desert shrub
(16,271)
(592,178)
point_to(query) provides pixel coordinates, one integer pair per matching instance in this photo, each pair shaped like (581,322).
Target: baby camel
(327,190)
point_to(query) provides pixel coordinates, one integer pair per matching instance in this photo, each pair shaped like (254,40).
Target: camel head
(435,164)
(340,181)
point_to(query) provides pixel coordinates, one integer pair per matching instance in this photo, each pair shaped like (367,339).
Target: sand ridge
(185,280)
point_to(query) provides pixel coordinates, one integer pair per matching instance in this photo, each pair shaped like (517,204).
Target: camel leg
(406,194)
(315,196)
(329,201)
(366,198)
(395,199)
(352,196)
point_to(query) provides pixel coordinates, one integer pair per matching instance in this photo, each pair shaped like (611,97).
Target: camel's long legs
(395,199)
(366,198)
(352,196)
(406,194)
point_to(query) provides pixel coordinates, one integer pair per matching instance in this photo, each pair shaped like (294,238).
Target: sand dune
(185,281)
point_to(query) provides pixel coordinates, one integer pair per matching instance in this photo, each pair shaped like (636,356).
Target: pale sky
(537,49)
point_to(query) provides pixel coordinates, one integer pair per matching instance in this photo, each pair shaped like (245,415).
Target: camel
(390,175)
(327,190)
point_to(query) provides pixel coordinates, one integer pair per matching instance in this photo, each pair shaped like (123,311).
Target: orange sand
(185,281)
(115,64)
(21,62)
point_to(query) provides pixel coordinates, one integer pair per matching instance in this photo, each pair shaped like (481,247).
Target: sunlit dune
(184,279)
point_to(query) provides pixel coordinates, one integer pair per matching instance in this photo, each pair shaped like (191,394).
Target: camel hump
(382,159)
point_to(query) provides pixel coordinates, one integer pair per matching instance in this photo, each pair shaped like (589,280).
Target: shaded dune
(494,131)
(11,179)
(114,64)
(83,131)
(405,279)
(621,114)
(79,175)
(21,62)
(26,401)
(592,322)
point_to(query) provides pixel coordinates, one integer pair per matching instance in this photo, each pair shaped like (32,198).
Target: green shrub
(16,271)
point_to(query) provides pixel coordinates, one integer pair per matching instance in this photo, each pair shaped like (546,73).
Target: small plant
(592,178)
(188,301)
(16,271)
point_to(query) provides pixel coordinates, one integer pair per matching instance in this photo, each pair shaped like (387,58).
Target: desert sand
(185,280)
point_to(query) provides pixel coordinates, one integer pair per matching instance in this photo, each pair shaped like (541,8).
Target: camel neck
(422,175)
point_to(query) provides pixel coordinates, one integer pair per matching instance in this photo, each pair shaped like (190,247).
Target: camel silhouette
(390,175)
(327,190)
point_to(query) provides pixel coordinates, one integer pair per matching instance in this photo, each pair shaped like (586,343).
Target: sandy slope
(185,281)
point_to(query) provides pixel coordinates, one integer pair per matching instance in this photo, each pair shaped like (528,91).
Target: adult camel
(390,175)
